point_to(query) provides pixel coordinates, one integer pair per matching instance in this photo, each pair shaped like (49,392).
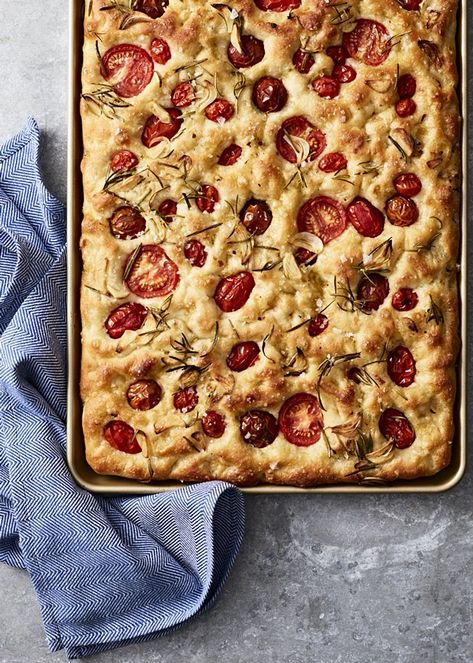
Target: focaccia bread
(269,239)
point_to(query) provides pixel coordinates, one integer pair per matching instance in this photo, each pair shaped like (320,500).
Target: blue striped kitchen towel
(107,571)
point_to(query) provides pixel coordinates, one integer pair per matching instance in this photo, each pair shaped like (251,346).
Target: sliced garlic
(308,241)
(380,84)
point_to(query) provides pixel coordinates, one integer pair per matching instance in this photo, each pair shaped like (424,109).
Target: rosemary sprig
(401,151)
(203,230)
(326,367)
(378,259)
(434,313)
(266,340)
(106,99)
(131,262)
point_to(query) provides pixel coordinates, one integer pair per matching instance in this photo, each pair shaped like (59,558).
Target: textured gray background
(324,579)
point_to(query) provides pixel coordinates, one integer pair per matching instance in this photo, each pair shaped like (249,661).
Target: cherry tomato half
(300,420)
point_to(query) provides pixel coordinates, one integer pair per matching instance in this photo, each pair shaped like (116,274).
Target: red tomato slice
(127,223)
(372,291)
(195,253)
(305,257)
(332,162)
(368,42)
(252,53)
(326,87)
(128,68)
(406,86)
(152,8)
(207,198)
(367,219)
(230,155)
(233,291)
(144,394)
(344,73)
(303,61)
(396,428)
(156,130)
(219,111)
(259,428)
(407,184)
(322,216)
(277,5)
(404,299)
(213,424)
(167,210)
(256,216)
(183,95)
(129,316)
(318,325)
(401,366)
(337,53)
(269,94)
(406,107)
(160,51)
(186,399)
(152,274)
(121,436)
(300,127)
(300,420)
(401,211)
(123,160)
(242,356)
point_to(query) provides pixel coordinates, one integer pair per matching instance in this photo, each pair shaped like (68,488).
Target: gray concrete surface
(381,579)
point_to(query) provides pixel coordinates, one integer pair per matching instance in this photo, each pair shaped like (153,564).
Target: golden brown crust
(378,144)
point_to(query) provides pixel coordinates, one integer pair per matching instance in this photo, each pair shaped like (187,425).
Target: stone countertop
(349,579)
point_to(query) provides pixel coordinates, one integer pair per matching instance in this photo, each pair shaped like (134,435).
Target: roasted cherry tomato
(327,87)
(332,162)
(406,107)
(230,155)
(407,184)
(318,325)
(129,316)
(129,67)
(183,95)
(123,160)
(155,130)
(167,210)
(277,5)
(219,111)
(269,94)
(256,216)
(396,428)
(410,5)
(213,424)
(401,211)
(368,42)
(344,73)
(401,366)
(233,291)
(127,223)
(259,428)
(160,51)
(186,399)
(242,356)
(367,219)
(195,253)
(252,52)
(372,291)
(322,216)
(304,256)
(207,198)
(404,299)
(337,53)
(121,436)
(152,8)
(144,394)
(303,61)
(299,127)
(152,273)
(300,420)
(406,86)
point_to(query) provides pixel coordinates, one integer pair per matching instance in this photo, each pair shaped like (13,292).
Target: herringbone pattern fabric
(107,571)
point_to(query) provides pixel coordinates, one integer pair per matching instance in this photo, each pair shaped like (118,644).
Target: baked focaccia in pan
(269,239)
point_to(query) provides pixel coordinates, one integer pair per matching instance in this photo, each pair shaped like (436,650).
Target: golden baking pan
(81,471)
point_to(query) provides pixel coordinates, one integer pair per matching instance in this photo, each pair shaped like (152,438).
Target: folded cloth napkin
(107,571)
